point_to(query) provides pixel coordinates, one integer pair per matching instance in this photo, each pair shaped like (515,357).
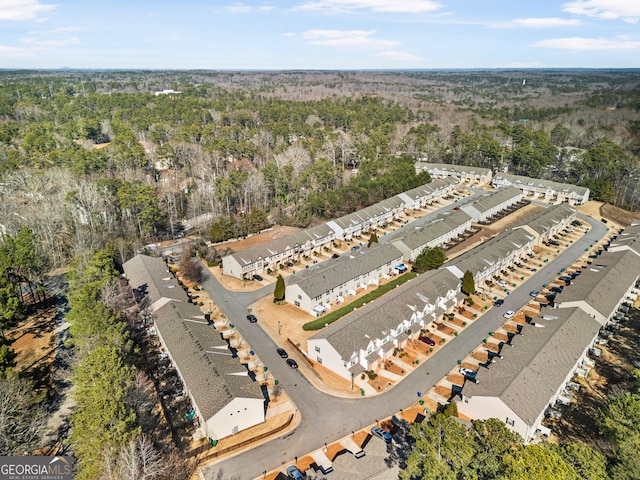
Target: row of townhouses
(368,336)
(270,255)
(320,286)
(546,190)
(463,173)
(224,397)
(537,373)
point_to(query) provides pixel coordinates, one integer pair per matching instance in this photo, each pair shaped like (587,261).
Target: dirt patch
(611,376)
(618,215)
(34,342)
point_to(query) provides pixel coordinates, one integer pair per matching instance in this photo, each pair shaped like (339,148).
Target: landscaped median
(331,317)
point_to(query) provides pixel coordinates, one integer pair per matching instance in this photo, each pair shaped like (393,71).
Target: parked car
(469,374)
(293,472)
(556,289)
(509,314)
(534,293)
(282,352)
(257,277)
(292,363)
(576,223)
(335,255)
(289,264)
(498,302)
(565,278)
(252,318)
(426,340)
(554,243)
(382,434)
(502,284)
(355,247)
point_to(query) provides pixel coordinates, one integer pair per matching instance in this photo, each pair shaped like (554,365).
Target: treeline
(96,157)
(446,449)
(113,416)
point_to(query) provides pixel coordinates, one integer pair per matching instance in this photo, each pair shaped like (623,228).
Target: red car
(427,340)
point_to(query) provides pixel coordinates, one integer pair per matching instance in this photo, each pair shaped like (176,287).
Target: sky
(319,34)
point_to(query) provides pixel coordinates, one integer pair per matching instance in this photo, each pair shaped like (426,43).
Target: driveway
(326,418)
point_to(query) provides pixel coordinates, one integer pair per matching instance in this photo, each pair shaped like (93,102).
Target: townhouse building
(369,335)
(436,233)
(225,399)
(545,190)
(426,194)
(462,173)
(268,256)
(488,259)
(548,222)
(493,203)
(319,287)
(519,388)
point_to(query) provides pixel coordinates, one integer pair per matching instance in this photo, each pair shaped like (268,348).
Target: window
(319,360)
(299,297)
(297,303)
(318,349)
(510,422)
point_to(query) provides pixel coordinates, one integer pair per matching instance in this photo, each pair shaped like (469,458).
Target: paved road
(326,418)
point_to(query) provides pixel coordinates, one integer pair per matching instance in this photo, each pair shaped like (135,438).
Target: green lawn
(331,317)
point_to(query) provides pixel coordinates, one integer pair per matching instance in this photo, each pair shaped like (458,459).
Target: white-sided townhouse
(320,287)
(519,388)
(439,231)
(488,259)
(427,194)
(548,222)
(462,173)
(545,190)
(493,203)
(364,338)
(225,398)
(268,256)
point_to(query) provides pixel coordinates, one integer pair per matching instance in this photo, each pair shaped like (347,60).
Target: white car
(509,314)
(502,284)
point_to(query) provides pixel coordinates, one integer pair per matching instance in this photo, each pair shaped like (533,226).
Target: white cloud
(588,44)
(242,8)
(627,10)
(348,38)
(52,42)
(22,9)
(397,56)
(384,6)
(12,52)
(551,22)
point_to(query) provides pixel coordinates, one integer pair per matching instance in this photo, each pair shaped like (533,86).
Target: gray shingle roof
(324,276)
(542,184)
(357,329)
(532,372)
(202,357)
(491,200)
(602,284)
(439,226)
(151,277)
(453,168)
(483,256)
(629,238)
(544,220)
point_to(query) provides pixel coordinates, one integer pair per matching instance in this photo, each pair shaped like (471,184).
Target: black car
(289,264)
(498,302)
(252,318)
(565,278)
(554,243)
(257,277)
(335,255)
(556,289)
(292,363)
(282,352)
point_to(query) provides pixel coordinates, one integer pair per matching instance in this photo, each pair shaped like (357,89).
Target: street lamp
(351,380)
